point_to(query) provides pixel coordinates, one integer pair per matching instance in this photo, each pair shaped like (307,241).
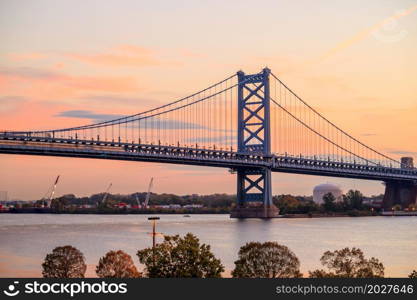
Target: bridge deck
(198,157)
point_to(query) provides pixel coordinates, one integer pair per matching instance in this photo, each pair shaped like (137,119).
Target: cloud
(26,56)
(172,125)
(87,114)
(29,73)
(45,84)
(214,139)
(10,103)
(368,134)
(124,55)
(403,152)
(190,54)
(120,100)
(121,55)
(150,123)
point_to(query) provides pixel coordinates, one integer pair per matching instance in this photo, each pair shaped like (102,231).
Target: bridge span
(252,124)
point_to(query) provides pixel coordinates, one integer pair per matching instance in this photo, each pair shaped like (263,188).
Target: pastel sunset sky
(354,61)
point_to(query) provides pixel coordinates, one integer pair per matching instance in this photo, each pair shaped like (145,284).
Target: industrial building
(325,188)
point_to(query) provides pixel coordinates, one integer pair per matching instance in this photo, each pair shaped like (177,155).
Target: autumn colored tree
(350,263)
(64,262)
(117,264)
(287,203)
(180,257)
(397,207)
(266,260)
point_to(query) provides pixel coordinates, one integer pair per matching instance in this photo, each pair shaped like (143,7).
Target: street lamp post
(153,219)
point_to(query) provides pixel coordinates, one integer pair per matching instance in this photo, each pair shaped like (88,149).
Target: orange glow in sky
(355,62)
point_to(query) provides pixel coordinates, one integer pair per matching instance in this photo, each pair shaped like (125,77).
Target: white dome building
(325,188)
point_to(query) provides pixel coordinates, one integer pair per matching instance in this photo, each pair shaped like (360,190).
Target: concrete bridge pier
(399,193)
(254,195)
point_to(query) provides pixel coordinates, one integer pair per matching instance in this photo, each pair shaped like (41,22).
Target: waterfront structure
(325,188)
(252,124)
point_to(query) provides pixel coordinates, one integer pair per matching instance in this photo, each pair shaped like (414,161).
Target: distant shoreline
(87,211)
(200,212)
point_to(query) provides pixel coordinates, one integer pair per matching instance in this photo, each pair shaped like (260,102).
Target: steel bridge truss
(254,136)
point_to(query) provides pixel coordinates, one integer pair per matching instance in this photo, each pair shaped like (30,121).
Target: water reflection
(26,239)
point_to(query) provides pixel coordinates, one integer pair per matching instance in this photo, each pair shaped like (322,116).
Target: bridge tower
(254,190)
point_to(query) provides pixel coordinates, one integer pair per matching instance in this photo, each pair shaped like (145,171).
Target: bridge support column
(399,193)
(254,195)
(254,190)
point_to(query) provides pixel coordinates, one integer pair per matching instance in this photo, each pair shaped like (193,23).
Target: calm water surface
(25,239)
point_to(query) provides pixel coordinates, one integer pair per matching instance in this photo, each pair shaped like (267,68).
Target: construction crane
(51,192)
(106,193)
(148,194)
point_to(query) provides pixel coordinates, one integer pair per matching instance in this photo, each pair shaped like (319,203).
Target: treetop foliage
(348,263)
(117,264)
(64,262)
(180,257)
(266,260)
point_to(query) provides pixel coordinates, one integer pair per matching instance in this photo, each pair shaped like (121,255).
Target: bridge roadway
(12,144)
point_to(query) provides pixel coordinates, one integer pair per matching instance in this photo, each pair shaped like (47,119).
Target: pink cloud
(124,55)
(26,56)
(45,84)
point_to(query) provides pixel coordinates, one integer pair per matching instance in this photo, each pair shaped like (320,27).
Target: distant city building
(193,206)
(169,206)
(325,188)
(373,203)
(174,206)
(123,205)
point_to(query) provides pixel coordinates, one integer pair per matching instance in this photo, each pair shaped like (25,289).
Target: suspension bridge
(253,124)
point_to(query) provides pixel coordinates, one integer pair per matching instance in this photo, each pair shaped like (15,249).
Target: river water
(25,239)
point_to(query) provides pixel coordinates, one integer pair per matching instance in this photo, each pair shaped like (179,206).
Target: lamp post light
(154,233)
(153,219)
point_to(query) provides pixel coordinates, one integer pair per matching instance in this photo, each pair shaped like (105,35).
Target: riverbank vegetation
(180,257)
(353,203)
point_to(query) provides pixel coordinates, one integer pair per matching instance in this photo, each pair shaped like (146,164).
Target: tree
(397,207)
(353,199)
(329,202)
(180,257)
(267,260)
(59,204)
(64,262)
(413,274)
(287,204)
(117,264)
(349,263)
